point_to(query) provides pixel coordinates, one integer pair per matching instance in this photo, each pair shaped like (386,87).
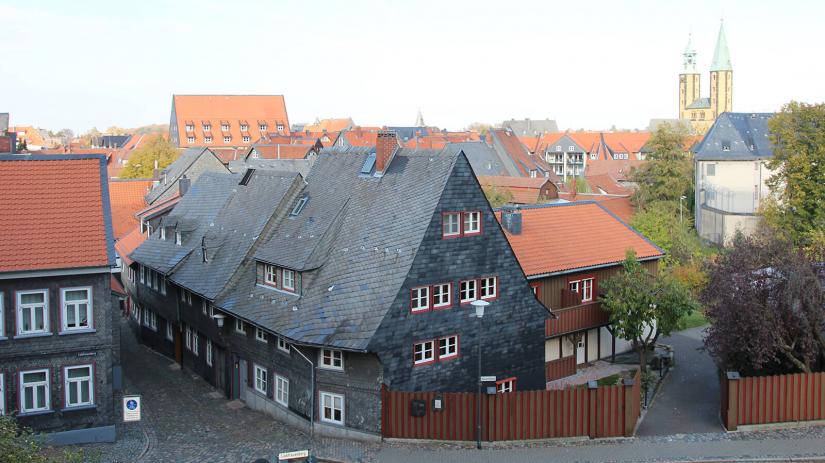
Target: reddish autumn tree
(766,307)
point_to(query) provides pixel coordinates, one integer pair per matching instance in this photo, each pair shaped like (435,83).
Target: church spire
(689,58)
(721,57)
(419,119)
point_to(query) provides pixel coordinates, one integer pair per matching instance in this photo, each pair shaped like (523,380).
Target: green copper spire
(689,57)
(721,57)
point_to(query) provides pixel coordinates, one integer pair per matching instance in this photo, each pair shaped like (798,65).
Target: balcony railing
(576,318)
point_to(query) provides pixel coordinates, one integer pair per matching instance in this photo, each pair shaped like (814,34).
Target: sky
(586,64)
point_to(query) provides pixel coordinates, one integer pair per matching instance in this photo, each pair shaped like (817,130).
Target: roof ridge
(631,228)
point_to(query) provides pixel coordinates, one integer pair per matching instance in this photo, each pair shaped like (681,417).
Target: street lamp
(219,319)
(681,198)
(479,306)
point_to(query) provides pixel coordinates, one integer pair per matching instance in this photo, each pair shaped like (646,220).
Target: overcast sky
(587,64)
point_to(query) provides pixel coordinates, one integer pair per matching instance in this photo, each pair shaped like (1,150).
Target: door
(178,345)
(580,351)
(243,380)
(236,379)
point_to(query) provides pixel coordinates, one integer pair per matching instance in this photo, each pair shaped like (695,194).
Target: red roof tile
(590,235)
(251,110)
(128,243)
(117,288)
(126,199)
(52,214)
(607,184)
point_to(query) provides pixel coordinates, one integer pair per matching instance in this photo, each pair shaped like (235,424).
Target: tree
(643,307)
(497,197)
(766,306)
(798,183)
(668,173)
(481,127)
(155,152)
(20,446)
(578,184)
(115,130)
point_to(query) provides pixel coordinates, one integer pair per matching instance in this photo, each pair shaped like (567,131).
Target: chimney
(183,185)
(385,146)
(511,220)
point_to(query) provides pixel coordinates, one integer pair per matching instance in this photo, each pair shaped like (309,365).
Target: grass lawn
(609,380)
(693,320)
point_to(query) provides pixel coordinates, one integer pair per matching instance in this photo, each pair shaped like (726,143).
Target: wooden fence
(604,411)
(771,399)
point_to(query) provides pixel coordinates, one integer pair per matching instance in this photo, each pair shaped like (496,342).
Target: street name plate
(293,455)
(485,379)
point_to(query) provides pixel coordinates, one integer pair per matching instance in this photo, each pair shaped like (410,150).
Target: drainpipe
(312,397)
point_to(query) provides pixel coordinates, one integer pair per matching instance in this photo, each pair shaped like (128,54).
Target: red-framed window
(504,386)
(535,288)
(457,224)
(448,347)
(585,286)
(420,299)
(467,291)
(442,295)
(423,352)
(488,288)
(281,278)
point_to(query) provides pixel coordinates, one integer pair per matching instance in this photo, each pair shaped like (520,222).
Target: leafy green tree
(143,160)
(497,197)
(20,446)
(660,222)
(578,184)
(668,173)
(643,307)
(798,183)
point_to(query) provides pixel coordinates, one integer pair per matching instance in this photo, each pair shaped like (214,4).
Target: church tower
(721,77)
(689,80)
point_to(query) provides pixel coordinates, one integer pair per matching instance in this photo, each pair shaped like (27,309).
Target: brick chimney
(385,146)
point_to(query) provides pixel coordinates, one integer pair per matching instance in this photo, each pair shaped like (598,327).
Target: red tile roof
(117,288)
(282,151)
(589,234)
(330,125)
(52,213)
(525,190)
(607,184)
(161,206)
(128,243)
(235,110)
(126,199)
(361,136)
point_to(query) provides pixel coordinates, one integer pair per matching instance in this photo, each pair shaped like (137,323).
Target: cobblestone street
(186,420)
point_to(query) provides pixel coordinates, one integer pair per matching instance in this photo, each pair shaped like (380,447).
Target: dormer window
(280,278)
(558,147)
(207,139)
(299,206)
(244,127)
(190,139)
(227,139)
(246,139)
(262,127)
(178,238)
(190,127)
(163,233)
(207,127)
(725,146)
(280,127)
(593,156)
(571,148)
(224,127)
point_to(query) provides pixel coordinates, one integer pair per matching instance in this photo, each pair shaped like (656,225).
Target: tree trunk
(642,359)
(797,363)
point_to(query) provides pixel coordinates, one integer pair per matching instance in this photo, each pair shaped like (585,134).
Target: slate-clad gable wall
(513,333)
(206,162)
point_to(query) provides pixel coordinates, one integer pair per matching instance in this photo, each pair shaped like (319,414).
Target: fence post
(732,391)
(592,402)
(629,416)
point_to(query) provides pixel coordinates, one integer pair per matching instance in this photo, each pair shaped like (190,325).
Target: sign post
(131,408)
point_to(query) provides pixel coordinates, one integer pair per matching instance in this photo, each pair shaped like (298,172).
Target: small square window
(441,295)
(332,359)
(224,127)
(245,139)
(227,139)
(448,347)
(423,352)
(207,139)
(240,326)
(207,127)
(488,288)
(282,344)
(472,223)
(451,223)
(468,291)
(244,127)
(260,335)
(420,299)
(506,385)
(262,127)
(190,139)
(332,408)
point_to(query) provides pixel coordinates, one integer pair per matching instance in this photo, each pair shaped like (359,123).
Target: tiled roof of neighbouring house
(595,237)
(54,213)
(126,198)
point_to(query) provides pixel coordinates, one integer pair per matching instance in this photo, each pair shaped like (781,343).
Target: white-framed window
(170,335)
(77,310)
(448,347)
(262,127)
(451,224)
(244,127)
(204,306)
(195,343)
(489,288)
(150,320)
(224,127)
(188,338)
(261,378)
(209,352)
(2,394)
(207,127)
(190,128)
(33,312)
(137,313)
(423,352)
(472,223)
(207,139)
(246,138)
(163,233)
(587,289)
(280,127)
(227,139)
(332,359)
(468,291)
(34,391)
(240,326)
(506,385)
(574,286)
(282,390)
(282,344)
(441,295)
(271,275)
(78,386)
(332,408)
(190,139)
(178,238)
(260,334)
(288,279)
(162,285)
(420,298)
(594,156)
(142,275)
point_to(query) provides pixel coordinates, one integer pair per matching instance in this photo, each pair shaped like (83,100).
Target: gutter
(591,267)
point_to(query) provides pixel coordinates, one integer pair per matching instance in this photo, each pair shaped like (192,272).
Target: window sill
(79,331)
(333,423)
(326,368)
(32,335)
(37,413)
(79,408)
(3,338)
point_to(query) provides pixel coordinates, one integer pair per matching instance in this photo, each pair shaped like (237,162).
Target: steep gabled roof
(177,169)
(737,137)
(126,198)
(54,213)
(594,236)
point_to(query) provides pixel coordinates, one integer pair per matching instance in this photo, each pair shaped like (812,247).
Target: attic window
(368,164)
(225,127)
(725,145)
(247,176)
(207,127)
(299,206)
(190,127)
(244,127)
(262,127)
(558,147)
(178,238)
(280,127)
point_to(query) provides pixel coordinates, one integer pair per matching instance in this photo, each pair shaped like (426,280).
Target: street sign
(485,379)
(131,408)
(285,456)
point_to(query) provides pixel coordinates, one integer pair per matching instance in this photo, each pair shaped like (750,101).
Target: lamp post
(312,398)
(479,306)
(681,198)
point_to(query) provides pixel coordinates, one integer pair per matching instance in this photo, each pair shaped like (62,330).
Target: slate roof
(54,213)
(700,103)
(175,170)
(737,137)
(531,127)
(592,235)
(302,166)
(360,234)
(485,160)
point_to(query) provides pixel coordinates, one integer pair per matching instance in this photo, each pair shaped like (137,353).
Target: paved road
(185,420)
(688,400)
